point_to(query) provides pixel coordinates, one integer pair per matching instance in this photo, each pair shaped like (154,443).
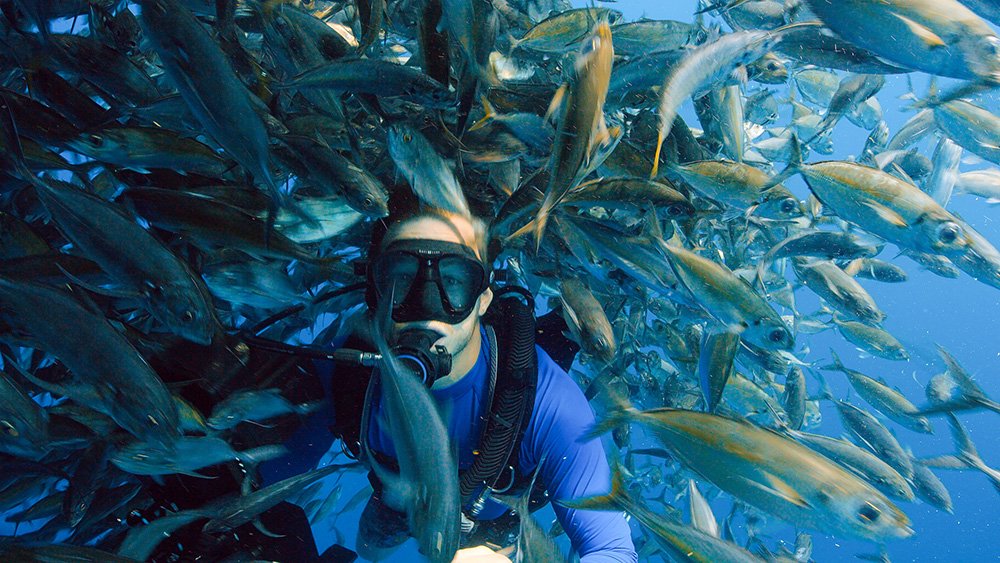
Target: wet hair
(405,207)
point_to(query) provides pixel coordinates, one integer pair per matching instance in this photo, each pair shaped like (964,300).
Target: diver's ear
(484,301)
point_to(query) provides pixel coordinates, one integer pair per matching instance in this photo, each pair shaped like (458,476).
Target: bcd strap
(512,317)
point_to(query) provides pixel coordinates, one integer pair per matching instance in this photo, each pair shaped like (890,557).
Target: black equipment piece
(428,280)
(414,350)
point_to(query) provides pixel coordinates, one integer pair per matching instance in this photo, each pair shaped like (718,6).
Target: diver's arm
(571,469)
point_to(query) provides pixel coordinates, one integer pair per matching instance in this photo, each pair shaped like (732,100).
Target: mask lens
(395,273)
(461,279)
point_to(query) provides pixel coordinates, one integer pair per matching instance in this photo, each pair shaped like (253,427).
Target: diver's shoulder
(555,386)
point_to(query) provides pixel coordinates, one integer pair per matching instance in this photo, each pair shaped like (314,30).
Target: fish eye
(776,335)
(869,513)
(407,137)
(675,210)
(187,316)
(993,44)
(948,233)
(368,202)
(788,205)
(773,66)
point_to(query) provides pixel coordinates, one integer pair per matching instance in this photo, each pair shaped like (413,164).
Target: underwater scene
(481,281)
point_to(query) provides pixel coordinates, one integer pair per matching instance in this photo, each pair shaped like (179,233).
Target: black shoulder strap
(512,316)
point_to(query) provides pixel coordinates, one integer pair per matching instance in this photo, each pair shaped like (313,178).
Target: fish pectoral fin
(886,214)
(260,527)
(785,491)
(118,293)
(930,39)
(572,320)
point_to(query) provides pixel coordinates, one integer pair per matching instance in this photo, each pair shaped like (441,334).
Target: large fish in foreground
(426,487)
(133,258)
(770,472)
(683,543)
(940,37)
(881,204)
(582,125)
(704,66)
(206,81)
(729,299)
(124,386)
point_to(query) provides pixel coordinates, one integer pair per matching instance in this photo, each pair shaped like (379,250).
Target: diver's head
(431,269)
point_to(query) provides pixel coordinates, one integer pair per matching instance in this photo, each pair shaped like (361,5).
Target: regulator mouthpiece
(414,350)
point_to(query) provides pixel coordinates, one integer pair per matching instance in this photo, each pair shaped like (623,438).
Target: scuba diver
(510,408)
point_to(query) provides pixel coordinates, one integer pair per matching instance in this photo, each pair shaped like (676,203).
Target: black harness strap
(512,317)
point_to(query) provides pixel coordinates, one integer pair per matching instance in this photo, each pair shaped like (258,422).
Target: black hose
(252,335)
(515,395)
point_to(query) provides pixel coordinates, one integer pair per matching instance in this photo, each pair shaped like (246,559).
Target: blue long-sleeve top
(569,468)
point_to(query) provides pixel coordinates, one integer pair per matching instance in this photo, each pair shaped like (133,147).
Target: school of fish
(175,172)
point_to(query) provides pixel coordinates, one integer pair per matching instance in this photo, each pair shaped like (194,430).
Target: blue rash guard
(561,415)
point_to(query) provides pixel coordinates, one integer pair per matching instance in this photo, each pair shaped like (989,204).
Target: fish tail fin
(794,165)
(610,501)
(514,43)
(965,449)
(929,100)
(611,420)
(837,365)
(490,115)
(540,221)
(522,231)
(825,393)
(620,411)
(969,389)
(262,529)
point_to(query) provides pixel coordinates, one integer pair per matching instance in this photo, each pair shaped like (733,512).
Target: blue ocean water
(961,314)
